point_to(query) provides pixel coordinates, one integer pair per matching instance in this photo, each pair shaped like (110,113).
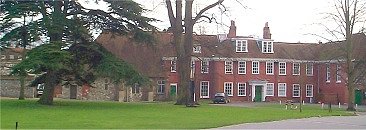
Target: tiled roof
(147,58)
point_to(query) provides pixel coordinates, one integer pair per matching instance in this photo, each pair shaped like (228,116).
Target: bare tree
(348,16)
(183,45)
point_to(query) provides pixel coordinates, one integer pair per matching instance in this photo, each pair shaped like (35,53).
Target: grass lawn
(68,114)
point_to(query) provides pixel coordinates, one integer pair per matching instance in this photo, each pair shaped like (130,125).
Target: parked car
(39,89)
(221,98)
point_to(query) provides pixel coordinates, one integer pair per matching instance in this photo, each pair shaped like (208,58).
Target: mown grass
(68,114)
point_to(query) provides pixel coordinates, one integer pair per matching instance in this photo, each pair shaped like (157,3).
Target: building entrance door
(358,97)
(173,90)
(73,92)
(258,93)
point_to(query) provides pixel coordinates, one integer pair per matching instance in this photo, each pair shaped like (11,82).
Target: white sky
(289,20)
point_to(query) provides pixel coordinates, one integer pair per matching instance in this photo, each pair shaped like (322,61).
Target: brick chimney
(266,32)
(232,30)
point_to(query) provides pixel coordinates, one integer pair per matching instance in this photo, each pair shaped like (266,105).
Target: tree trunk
(23,73)
(55,35)
(179,46)
(49,87)
(188,41)
(350,67)
(184,48)
(22,87)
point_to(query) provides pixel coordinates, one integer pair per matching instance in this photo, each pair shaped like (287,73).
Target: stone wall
(98,91)
(11,88)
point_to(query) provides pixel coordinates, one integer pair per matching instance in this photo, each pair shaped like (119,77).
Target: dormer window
(241,46)
(267,47)
(196,48)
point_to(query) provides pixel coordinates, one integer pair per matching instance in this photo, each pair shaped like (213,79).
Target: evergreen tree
(70,53)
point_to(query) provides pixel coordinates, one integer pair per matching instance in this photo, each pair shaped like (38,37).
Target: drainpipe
(318,78)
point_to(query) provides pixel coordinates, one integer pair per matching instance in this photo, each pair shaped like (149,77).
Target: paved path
(335,122)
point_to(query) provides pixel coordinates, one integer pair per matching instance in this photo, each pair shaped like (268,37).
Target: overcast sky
(289,20)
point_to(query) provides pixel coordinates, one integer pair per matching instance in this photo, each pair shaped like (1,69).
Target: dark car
(221,98)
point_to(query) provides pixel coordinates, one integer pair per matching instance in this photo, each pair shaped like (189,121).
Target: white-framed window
(11,57)
(241,89)
(205,89)
(228,67)
(242,67)
(204,66)
(296,69)
(270,89)
(327,77)
(267,47)
(241,46)
(228,88)
(296,90)
(309,90)
(196,48)
(136,88)
(161,86)
(3,57)
(309,69)
(255,67)
(281,89)
(282,68)
(269,68)
(338,72)
(173,66)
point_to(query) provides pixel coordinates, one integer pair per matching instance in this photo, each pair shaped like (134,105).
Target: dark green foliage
(45,57)
(12,22)
(70,55)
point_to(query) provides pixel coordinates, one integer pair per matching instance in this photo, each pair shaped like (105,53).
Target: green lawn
(66,114)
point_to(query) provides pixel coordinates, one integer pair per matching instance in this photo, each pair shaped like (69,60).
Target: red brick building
(246,68)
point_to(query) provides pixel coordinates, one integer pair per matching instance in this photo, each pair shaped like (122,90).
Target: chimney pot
(232,30)
(266,32)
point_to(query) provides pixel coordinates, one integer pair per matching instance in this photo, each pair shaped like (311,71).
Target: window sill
(327,81)
(269,74)
(242,73)
(309,96)
(269,95)
(338,82)
(309,75)
(296,74)
(267,52)
(241,95)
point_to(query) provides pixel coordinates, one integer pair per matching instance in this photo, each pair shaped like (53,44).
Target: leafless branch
(170,13)
(198,16)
